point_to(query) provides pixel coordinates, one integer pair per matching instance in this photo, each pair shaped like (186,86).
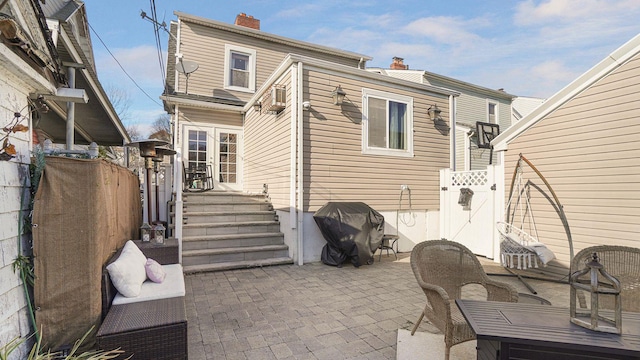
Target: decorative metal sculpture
(595,281)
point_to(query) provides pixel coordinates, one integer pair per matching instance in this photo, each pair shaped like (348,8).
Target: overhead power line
(121,67)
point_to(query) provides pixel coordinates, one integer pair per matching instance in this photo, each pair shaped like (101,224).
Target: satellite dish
(186,67)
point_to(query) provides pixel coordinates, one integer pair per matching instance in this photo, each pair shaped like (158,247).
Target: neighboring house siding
(206,46)
(13,308)
(335,168)
(267,151)
(588,151)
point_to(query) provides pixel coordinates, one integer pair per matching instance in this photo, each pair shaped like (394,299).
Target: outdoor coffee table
(534,331)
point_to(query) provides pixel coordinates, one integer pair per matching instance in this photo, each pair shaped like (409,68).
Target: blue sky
(529,48)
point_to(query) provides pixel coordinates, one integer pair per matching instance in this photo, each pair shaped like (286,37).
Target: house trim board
(616,59)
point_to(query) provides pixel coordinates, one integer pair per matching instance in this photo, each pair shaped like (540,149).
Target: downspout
(293,140)
(452,117)
(177,170)
(71,109)
(300,170)
(360,63)
(177,181)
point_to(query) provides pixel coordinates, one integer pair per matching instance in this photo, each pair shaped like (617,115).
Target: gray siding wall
(335,168)
(13,307)
(206,46)
(588,151)
(267,151)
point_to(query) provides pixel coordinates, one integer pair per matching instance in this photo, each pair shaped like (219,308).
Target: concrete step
(222,197)
(191,269)
(231,240)
(228,207)
(210,256)
(203,229)
(227,217)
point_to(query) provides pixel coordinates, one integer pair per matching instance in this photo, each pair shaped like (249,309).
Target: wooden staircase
(225,230)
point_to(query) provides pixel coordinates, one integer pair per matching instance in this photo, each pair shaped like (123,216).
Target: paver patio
(313,311)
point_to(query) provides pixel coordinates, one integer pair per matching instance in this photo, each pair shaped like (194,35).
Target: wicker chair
(442,268)
(623,262)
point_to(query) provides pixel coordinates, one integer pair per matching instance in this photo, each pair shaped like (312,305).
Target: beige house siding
(335,168)
(208,116)
(588,151)
(267,151)
(206,46)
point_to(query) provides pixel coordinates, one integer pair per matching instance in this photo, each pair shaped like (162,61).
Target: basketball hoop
(486,133)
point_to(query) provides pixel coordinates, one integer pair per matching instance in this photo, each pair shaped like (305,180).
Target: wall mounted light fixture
(338,95)
(257,106)
(434,113)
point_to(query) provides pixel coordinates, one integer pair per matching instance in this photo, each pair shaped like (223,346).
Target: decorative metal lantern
(145,232)
(159,234)
(599,284)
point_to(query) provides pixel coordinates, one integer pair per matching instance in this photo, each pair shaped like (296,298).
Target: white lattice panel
(469,178)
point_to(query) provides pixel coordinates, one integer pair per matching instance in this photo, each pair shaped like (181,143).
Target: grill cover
(353,231)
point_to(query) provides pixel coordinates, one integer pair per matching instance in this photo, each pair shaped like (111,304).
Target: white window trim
(228,49)
(366,93)
(496,104)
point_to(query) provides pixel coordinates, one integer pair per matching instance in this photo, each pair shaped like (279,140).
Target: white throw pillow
(128,272)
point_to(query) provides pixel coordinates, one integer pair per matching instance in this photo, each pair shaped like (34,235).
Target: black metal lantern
(596,282)
(338,95)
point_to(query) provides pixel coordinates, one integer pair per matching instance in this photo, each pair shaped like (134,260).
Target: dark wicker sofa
(154,329)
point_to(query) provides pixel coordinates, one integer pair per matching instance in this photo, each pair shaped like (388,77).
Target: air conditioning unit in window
(276,98)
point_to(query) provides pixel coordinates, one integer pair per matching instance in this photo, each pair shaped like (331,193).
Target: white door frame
(213,152)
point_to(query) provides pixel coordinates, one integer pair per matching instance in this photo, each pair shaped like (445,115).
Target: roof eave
(616,59)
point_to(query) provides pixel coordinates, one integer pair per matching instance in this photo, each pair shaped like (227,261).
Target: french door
(216,151)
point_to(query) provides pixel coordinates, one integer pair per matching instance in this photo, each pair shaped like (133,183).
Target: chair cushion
(172,286)
(127,273)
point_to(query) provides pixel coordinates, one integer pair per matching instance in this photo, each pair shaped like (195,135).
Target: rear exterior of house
(265,105)
(584,140)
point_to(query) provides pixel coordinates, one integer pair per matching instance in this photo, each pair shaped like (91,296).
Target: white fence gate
(472,224)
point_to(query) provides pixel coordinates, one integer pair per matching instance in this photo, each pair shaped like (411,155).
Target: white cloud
(531,12)
(445,29)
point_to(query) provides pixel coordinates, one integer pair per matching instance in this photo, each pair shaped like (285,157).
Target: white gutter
(452,120)
(293,141)
(177,181)
(177,170)
(300,171)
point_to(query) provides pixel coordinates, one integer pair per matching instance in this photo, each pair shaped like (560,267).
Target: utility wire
(156,31)
(121,67)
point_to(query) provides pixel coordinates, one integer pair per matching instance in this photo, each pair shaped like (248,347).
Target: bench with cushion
(144,318)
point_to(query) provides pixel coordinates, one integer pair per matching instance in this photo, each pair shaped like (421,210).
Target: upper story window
(492,112)
(387,126)
(240,68)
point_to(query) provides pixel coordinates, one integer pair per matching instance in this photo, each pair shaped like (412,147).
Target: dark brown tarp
(83,211)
